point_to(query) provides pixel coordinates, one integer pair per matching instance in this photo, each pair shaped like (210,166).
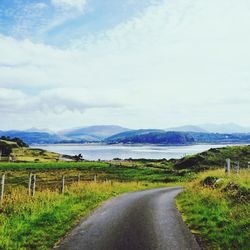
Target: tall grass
(39,222)
(218,216)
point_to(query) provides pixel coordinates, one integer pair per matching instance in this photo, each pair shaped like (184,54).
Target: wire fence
(57,180)
(51,181)
(235,166)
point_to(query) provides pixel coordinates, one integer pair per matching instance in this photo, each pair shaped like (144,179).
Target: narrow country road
(145,220)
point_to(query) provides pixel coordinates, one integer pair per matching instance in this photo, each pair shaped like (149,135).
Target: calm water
(108,152)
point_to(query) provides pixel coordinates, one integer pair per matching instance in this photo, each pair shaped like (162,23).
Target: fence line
(33,182)
(235,166)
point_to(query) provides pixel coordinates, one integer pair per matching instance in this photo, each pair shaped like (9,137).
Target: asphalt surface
(142,220)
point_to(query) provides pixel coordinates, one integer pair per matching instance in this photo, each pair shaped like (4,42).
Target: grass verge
(39,222)
(218,213)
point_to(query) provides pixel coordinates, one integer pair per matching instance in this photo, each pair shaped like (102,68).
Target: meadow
(216,207)
(154,171)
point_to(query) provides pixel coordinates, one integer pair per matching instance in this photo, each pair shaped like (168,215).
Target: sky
(134,63)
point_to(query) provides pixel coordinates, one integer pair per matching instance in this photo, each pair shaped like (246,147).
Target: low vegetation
(214,158)
(25,154)
(216,206)
(150,170)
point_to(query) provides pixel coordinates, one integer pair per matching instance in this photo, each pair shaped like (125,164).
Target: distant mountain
(176,137)
(33,129)
(218,138)
(224,128)
(93,133)
(116,134)
(131,133)
(152,137)
(227,128)
(187,128)
(32,137)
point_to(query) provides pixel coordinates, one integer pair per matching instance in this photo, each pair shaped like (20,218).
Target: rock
(210,181)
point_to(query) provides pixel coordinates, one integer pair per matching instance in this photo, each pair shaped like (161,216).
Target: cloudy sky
(136,63)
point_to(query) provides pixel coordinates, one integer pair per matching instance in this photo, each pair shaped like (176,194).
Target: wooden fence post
(228,166)
(63,182)
(237,167)
(2,188)
(29,184)
(33,185)
(95,178)
(78,178)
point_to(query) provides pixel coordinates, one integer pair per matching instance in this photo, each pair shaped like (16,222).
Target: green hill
(214,158)
(17,150)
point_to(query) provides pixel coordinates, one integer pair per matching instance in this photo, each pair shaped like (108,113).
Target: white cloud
(178,62)
(55,101)
(75,4)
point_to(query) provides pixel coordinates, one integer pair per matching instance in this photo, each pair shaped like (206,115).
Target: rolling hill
(188,128)
(32,137)
(112,134)
(152,137)
(226,128)
(93,133)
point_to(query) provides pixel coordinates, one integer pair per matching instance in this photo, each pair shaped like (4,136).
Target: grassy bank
(216,207)
(39,222)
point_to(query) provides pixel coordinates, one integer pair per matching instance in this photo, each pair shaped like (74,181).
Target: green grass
(219,215)
(38,223)
(9,142)
(214,158)
(112,170)
(22,154)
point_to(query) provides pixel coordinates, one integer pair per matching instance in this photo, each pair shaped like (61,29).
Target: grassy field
(39,222)
(216,206)
(22,154)
(218,213)
(122,170)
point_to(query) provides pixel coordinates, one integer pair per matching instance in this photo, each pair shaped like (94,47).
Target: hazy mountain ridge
(187,128)
(226,128)
(132,133)
(32,137)
(93,133)
(176,138)
(156,137)
(116,134)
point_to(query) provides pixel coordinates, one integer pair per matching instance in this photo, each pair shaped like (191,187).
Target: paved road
(142,220)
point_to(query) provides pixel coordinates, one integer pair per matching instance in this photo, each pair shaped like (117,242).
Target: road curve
(142,220)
